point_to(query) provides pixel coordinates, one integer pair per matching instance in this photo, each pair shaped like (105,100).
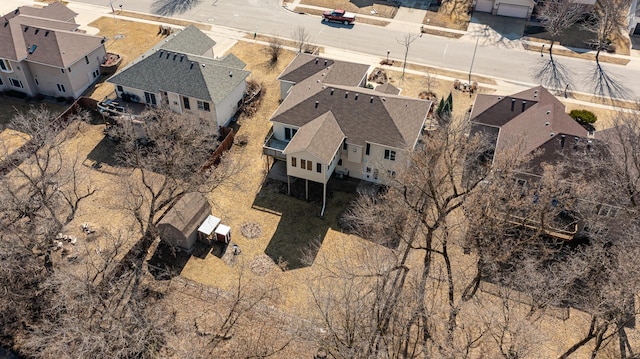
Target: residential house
(533,123)
(634,18)
(519,8)
(180,72)
(328,122)
(42,51)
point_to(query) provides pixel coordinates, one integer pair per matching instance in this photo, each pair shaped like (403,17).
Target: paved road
(269,17)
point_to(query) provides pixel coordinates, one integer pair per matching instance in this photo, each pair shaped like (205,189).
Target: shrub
(583,116)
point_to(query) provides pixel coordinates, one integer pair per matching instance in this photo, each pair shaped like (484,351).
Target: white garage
(484,5)
(513,10)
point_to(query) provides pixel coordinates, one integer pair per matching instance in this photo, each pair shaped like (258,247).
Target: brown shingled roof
(388,89)
(54,11)
(321,137)
(59,48)
(333,72)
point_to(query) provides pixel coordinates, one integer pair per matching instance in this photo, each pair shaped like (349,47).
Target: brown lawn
(138,38)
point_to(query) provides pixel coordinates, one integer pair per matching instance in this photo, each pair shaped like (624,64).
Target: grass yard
(10,107)
(138,38)
(383,9)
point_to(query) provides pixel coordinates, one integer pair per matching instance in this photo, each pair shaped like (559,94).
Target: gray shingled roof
(193,76)
(188,41)
(54,11)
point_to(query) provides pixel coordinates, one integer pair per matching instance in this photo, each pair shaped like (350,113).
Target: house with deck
(329,123)
(43,51)
(181,73)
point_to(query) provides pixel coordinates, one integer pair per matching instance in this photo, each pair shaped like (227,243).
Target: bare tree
(274,50)
(301,36)
(559,15)
(607,21)
(406,42)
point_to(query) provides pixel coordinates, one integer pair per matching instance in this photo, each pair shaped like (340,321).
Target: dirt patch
(164,20)
(364,20)
(251,230)
(261,264)
(384,9)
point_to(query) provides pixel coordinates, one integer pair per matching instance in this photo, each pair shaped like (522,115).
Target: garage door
(484,5)
(513,10)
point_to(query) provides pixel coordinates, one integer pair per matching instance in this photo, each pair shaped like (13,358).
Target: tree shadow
(171,7)
(167,261)
(553,74)
(607,86)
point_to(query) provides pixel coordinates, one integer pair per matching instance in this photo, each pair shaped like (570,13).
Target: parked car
(338,15)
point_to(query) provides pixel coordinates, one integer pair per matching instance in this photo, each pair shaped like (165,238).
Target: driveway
(493,30)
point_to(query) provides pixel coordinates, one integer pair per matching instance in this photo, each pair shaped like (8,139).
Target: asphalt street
(510,64)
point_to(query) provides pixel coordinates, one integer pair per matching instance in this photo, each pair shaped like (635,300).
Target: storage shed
(179,227)
(223,233)
(205,231)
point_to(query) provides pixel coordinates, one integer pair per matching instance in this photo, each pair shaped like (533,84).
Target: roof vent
(356,97)
(499,98)
(371,99)
(524,105)
(37,31)
(589,145)
(174,57)
(317,102)
(513,103)
(168,54)
(547,123)
(548,112)
(6,22)
(230,73)
(317,60)
(181,58)
(26,28)
(317,81)
(203,65)
(161,53)
(325,62)
(384,99)
(331,92)
(46,33)
(346,94)
(552,134)
(190,67)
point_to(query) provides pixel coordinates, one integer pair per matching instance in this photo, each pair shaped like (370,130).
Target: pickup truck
(342,16)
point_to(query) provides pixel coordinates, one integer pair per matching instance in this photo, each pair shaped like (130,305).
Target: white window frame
(6,66)
(13,83)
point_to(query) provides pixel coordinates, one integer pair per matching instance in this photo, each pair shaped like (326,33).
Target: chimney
(513,103)
(562,139)
(524,105)
(317,104)
(356,97)
(331,92)
(371,99)
(346,94)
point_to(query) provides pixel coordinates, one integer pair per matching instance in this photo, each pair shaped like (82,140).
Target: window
(34,80)
(340,162)
(5,66)
(303,164)
(375,173)
(61,88)
(289,133)
(390,155)
(119,88)
(185,102)
(367,170)
(203,106)
(150,98)
(367,149)
(309,165)
(319,167)
(62,70)
(86,59)
(391,173)
(15,83)
(32,49)
(293,161)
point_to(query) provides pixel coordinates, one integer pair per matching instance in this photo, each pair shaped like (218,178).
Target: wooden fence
(225,145)
(56,126)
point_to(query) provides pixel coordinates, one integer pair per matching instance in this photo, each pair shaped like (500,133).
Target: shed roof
(186,213)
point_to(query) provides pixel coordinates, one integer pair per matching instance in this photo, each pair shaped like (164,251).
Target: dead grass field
(444,72)
(138,38)
(362,20)
(381,8)
(452,15)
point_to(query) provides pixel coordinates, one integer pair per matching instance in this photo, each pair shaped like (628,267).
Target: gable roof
(54,11)
(188,75)
(337,72)
(188,41)
(49,31)
(528,118)
(321,137)
(388,88)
